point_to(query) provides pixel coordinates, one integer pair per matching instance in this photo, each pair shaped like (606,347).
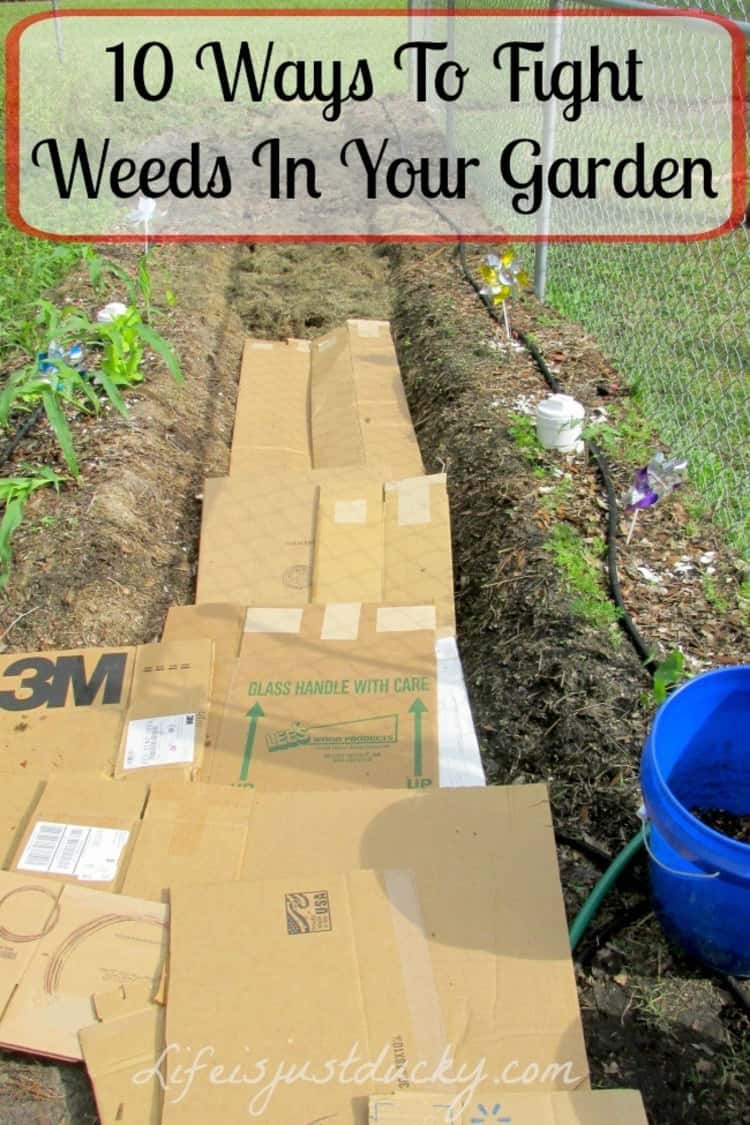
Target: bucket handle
(672,870)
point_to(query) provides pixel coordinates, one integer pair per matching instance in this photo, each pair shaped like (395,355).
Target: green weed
(580,564)
(712,594)
(557,495)
(629,437)
(522,430)
(14,492)
(667,674)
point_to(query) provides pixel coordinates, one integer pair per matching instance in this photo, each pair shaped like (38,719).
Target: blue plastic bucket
(697,755)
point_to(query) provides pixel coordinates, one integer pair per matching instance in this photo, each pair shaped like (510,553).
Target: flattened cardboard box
(313,971)
(58,946)
(20,795)
(326,697)
(327,535)
(485,866)
(338,401)
(105,711)
(460,762)
(82,830)
(485,1106)
(120,1053)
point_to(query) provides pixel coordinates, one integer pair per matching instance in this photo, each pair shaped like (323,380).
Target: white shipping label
(163,741)
(80,851)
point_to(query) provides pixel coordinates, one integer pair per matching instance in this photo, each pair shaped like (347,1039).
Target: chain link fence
(672,316)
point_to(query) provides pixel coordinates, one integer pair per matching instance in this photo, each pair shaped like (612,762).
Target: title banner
(375,125)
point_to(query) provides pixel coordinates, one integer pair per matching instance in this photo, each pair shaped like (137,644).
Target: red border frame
(12,141)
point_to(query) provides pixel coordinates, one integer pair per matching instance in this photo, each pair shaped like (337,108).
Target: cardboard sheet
(312,972)
(60,944)
(101,711)
(327,535)
(119,1055)
(338,401)
(19,796)
(272,418)
(189,834)
(81,831)
(459,758)
(485,866)
(258,535)
(335,696)
(598,1107)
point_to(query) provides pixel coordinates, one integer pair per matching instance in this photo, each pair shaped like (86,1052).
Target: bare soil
(728,824)
(556,698)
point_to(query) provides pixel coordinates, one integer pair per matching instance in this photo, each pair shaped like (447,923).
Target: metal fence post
(450,110)
(549,125)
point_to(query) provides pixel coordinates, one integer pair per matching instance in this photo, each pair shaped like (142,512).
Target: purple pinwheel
(653,482)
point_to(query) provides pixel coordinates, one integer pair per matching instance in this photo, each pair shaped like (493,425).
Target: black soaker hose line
(25,428)
(625,620)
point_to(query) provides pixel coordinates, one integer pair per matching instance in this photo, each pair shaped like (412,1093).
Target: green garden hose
(585,915)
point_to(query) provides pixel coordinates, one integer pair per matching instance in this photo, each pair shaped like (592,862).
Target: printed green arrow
(417,709)
(254,714)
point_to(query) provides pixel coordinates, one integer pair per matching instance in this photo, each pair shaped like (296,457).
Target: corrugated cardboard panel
(81,831)
(118,1051)
(334,403)
(418,557)
(460,760)
(348,564)
(485,1106)
(76,710)
(277,540)
(387,432)
(315,709)
(310,972)
(19,796)
(59,945)
(63,709)
(258,535)
(165,725)
(222,624)
(271,427)
(485,864)
(334,418)
(189,834)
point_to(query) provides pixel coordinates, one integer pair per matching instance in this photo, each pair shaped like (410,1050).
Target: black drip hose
(26,427)
(625,620)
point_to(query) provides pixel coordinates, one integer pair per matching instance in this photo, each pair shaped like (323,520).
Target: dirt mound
(555,698)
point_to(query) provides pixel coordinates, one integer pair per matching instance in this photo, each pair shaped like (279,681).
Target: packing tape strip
(405,618)
(261,620)
(369,328)
(428,478)
(341,621)
(414,500)
(260,345)
(350,511)
(416,969)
